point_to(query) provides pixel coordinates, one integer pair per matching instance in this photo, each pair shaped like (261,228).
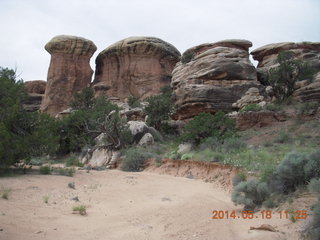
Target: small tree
(206,125)
(289,71)
(159,108)
(83,99)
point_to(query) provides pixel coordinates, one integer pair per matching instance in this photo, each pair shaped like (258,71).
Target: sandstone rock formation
(211,77)
(267,55)
(249,120)
(310,92)
(35,90)
(137,66)
(252,96)
(69,71)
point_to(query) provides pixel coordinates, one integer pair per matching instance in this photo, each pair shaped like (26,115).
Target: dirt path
(123,205)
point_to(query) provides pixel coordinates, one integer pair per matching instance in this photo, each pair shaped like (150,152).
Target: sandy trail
(123,205)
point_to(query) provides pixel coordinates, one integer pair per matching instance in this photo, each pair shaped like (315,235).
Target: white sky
(27,25)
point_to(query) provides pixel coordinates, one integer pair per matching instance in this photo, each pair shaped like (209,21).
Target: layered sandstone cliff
(211,77)
(135,66)
(69,71)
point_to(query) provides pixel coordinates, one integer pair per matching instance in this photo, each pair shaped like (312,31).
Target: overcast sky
(27,25)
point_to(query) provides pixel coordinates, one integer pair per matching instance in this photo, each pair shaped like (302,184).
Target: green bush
(238,178)
(23,134)
(45,170)
(273,107)
(187,156)
(206,125)
(83,99)
(134,159)
(251,108)
(133,102)
(308,108)
(312,167)
(73,160)
(159,109)
(283,137)
(81,127)
(290,171)
(251,194)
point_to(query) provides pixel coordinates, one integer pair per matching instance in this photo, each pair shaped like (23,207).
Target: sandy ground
(123,205)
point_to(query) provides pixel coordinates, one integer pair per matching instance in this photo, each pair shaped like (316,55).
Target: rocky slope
(211,77)
(69,71)
(137,66)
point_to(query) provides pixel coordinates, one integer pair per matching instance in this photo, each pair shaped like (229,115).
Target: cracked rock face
(69,71)
(135,66)
(211,77)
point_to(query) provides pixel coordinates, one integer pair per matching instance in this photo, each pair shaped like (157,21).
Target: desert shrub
(206,125)
(273,107)
(283,137)
(134,159)
(4,192)
(80,128)
(233,144)
(69,172)
(72,185)
(134,102)
(290,171)
(187,156)
(159,108)
(187,56)
(73,160)
(314,227)
(283,77)
(238,178)
(308,108)
(251,194)
(81,209)
(312,167)
(45,170)
(251,108)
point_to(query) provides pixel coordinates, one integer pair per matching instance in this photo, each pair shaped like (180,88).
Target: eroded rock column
(69,71)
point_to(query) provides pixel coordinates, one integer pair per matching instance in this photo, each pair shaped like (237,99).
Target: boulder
(211,77)
(267,56)
(185,148)
(252,96)
(69,71)
(100,155)
(139,128)
(135,66)
(35,90)
(146,140)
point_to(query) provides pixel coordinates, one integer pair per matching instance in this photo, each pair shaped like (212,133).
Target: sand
(122,205)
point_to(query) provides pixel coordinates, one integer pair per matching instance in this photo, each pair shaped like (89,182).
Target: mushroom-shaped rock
(135,66)
(69,71)
(211,77)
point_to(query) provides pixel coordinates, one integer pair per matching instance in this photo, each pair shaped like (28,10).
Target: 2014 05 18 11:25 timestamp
(264,214)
